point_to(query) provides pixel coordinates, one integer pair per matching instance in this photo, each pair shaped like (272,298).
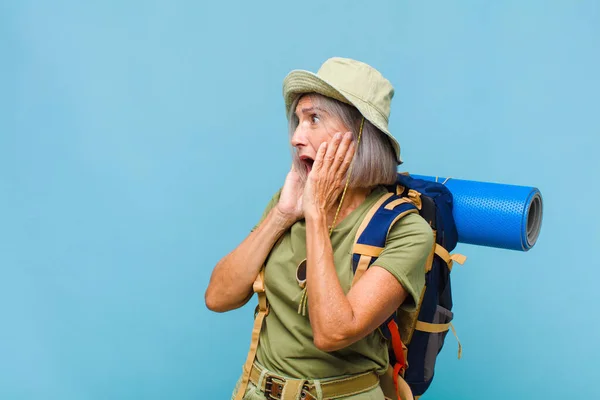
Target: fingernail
(348,135)
(338,135)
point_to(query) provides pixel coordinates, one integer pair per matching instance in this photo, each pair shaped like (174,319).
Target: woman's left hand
(326,180)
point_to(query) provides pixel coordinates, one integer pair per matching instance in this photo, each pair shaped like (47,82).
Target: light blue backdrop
(140,141)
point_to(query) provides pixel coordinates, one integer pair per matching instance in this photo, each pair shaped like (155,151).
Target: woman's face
(315,126)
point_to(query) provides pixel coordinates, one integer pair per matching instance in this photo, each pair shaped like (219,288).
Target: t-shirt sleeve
(272,203)
(408,246)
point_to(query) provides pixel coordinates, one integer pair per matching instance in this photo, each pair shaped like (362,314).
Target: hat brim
(300,81)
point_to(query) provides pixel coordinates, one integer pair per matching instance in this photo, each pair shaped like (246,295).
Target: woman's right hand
(290,200)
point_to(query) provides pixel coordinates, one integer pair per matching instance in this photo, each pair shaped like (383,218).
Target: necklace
(301,269)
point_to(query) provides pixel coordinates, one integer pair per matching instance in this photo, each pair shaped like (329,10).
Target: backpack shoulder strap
(262,311)
(372,234)
(368,245)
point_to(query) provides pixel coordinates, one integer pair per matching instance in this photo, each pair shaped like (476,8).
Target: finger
(318,164)
(348,157)
(340,154)
(331,150)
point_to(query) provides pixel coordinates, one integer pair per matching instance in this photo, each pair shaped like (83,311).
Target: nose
(299,138)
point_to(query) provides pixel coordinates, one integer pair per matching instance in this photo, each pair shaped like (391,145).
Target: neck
(352,199)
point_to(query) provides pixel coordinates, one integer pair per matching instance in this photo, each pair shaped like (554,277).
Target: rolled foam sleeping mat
(494,214)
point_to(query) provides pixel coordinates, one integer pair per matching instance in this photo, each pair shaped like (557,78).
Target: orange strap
(263,311)
(397,369)
(394,386)
(400,365)
(397,343)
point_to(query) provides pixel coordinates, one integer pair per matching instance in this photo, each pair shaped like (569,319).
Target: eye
(315,118)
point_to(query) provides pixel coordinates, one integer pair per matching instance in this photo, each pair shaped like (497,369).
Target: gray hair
(374,161)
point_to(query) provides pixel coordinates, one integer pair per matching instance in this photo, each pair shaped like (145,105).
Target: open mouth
(307,162)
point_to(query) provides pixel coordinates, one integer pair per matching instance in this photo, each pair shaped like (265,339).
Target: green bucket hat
(351,82)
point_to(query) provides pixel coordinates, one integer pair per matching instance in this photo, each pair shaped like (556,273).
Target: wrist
(282,219)
(316,216)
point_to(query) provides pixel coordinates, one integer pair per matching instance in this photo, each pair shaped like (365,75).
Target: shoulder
(408,247)
(412,228)
(409,243)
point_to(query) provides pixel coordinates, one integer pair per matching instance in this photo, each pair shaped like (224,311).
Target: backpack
(416,338)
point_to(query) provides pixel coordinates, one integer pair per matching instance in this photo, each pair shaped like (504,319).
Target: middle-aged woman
(320,329)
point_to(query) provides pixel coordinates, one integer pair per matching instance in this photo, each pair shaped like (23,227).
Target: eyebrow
(311,109)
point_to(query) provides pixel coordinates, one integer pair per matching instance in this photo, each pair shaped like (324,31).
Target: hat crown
(359,80)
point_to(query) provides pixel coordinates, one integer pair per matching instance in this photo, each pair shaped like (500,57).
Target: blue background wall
(140,141)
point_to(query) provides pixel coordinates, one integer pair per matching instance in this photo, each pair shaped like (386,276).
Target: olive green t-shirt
(286,344)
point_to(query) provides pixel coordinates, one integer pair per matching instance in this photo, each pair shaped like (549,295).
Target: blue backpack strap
(372,233)
(370,241)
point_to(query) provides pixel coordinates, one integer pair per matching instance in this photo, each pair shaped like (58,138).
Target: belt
(279,388)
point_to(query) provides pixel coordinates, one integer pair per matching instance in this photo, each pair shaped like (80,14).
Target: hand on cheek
(326,180)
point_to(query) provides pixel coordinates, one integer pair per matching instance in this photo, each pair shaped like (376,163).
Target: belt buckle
(273,389)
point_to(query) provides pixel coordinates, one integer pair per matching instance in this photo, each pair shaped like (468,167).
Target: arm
(231,281)
(338,320)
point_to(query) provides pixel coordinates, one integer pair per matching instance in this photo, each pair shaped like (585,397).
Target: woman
(320,329)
